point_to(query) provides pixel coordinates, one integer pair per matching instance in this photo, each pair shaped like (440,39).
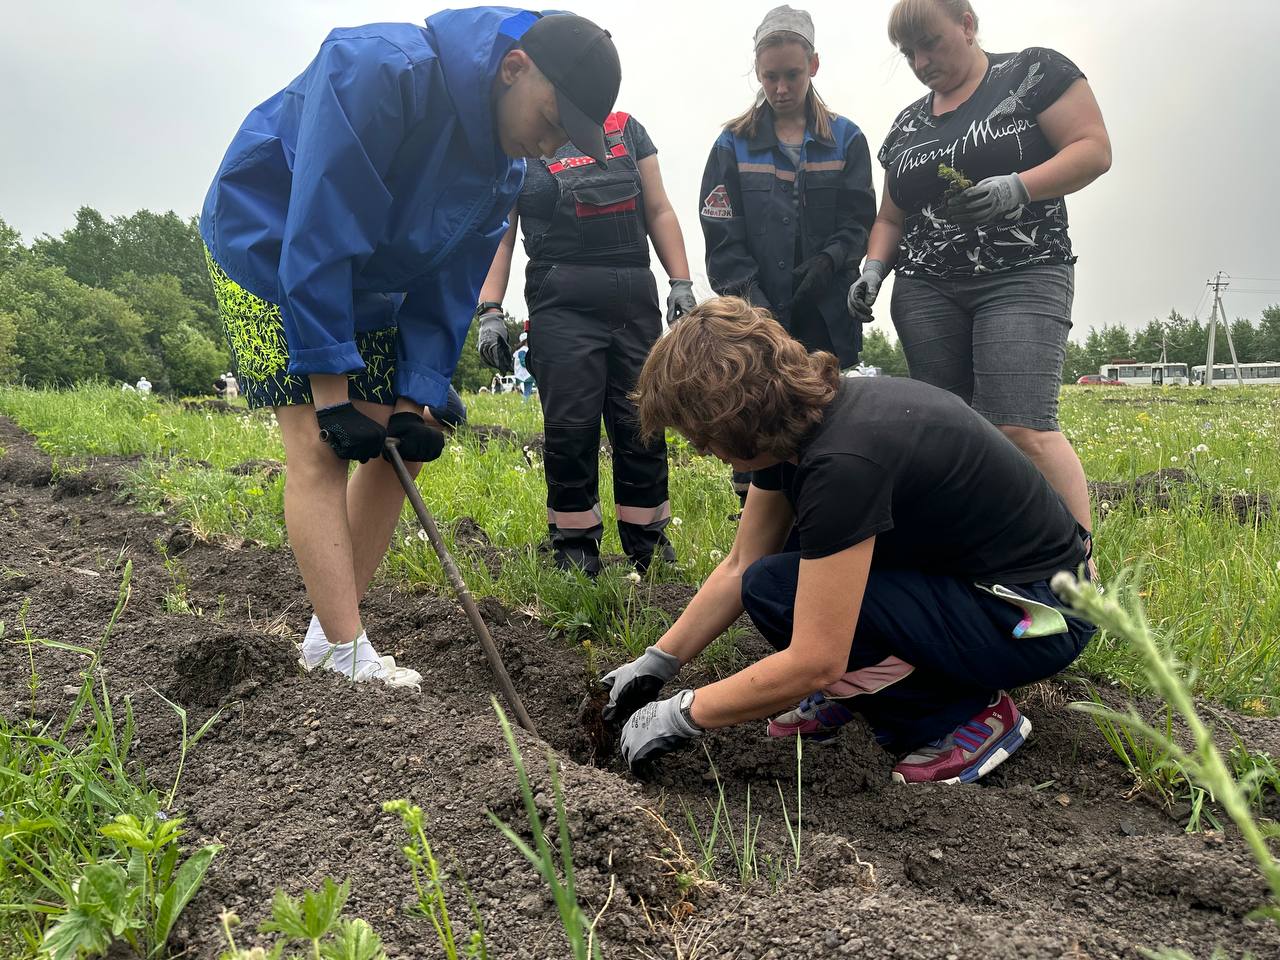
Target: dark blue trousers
(929,651)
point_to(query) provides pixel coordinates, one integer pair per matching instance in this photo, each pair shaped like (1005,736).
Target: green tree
(1269,333)
(11,248)
(188,360)
(67,332)
(1188,339)
(97,251)
(87,252)
(879,351)
(1247,340)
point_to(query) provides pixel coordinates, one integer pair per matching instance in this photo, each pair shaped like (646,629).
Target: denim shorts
(998,340)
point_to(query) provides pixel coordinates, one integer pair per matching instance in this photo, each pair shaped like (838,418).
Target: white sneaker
(357,660)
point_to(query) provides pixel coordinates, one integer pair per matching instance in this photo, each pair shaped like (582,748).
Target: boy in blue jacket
(349,228)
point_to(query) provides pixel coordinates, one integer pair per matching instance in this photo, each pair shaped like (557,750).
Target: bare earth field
(1045,859)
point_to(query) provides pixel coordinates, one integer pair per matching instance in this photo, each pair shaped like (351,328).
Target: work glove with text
(812,278)
(495,351)
(680,300)
(417,442)
(349,433)
(655,729)
(634,684)
(862,295)
(988,200)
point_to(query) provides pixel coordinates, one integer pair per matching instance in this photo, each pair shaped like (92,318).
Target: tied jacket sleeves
(762,216)
(374,174)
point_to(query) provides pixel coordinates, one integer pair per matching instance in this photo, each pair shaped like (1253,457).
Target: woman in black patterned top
(973,220)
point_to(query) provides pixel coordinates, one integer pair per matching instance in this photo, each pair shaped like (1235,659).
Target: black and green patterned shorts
(255,334)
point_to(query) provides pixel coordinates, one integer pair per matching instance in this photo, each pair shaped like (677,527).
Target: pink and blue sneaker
(971,750)
(817,719)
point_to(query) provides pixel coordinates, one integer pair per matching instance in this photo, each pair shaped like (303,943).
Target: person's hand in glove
(495,351)
(988,200)
(862,295)
(680,300)
(812,278)
(658,728)
(418,442)
(634,684)
(349,433)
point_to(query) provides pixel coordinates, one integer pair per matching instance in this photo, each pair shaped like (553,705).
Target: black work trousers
(590,330)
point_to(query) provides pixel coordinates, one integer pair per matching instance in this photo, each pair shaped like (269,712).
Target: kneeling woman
(920,592)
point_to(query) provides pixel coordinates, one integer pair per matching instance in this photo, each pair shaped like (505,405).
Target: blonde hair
(729,374)
(911,19)
(817,114)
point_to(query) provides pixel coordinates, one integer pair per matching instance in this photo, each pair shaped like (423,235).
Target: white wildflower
(1202,448)
(634,576)
(676,521)
(422,535)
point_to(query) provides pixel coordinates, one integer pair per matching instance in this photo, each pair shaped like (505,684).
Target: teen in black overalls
(593,315)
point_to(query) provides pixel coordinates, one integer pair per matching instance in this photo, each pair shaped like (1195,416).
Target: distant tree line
(122,298)
(126,297)
(1185,341)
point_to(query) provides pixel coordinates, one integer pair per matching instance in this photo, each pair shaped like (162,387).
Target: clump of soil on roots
(1044,859)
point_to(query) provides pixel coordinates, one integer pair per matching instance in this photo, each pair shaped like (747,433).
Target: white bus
(1252,374)
(1146,374)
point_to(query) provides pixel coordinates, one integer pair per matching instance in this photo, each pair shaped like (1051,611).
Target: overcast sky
(128,105)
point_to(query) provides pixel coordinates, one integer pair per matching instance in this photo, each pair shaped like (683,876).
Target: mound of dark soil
(1160,490)
(1044,859)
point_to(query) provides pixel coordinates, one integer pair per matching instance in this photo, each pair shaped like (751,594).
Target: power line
(1259,279)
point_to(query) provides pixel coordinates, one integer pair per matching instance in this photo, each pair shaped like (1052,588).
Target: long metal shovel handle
(460,588)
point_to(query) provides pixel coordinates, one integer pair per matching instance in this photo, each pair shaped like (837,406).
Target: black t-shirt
(993,133)
(940,488)
(541,192)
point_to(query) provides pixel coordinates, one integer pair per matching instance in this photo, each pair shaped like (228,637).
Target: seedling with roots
(957,183)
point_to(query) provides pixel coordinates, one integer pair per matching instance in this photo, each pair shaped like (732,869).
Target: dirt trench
(1044,859)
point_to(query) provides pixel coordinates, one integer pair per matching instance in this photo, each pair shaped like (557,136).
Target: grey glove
(680,300)
(655,729)
(634,684)
(495,351)
(988,200)
(864,292)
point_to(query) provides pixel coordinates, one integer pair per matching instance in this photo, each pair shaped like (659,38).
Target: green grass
(1209,584)
(87,854)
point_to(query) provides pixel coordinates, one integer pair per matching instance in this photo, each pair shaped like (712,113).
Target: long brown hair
(729,374)
(818,116)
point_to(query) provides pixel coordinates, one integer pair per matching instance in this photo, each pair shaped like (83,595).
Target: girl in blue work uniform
(787,199)
(349,227)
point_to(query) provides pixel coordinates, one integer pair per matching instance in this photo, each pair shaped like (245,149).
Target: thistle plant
(1121,614)
(429,882)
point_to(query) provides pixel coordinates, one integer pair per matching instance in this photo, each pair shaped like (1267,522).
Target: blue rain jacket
(376,172)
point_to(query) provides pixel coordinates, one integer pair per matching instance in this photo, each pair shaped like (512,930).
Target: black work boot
(662,550)
(581,555)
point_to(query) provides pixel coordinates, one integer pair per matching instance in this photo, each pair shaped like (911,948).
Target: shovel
(460,588)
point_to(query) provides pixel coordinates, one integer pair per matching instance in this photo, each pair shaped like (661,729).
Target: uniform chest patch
(717,205)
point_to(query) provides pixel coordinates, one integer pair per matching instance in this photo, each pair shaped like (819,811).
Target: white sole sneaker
(385,671)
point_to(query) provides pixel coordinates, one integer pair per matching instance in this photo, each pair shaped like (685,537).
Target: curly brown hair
(729,374)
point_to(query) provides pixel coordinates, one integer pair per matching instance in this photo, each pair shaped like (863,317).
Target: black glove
(418,442)
(492,343)
(812,278)
(349,433)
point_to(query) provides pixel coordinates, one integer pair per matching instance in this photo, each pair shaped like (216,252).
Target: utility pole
(1218,284)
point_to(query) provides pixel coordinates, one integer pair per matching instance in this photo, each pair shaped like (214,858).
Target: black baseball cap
(581,62)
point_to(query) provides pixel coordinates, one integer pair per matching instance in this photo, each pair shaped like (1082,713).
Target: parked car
(1097,380)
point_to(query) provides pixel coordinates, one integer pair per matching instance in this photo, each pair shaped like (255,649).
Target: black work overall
(593,315)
